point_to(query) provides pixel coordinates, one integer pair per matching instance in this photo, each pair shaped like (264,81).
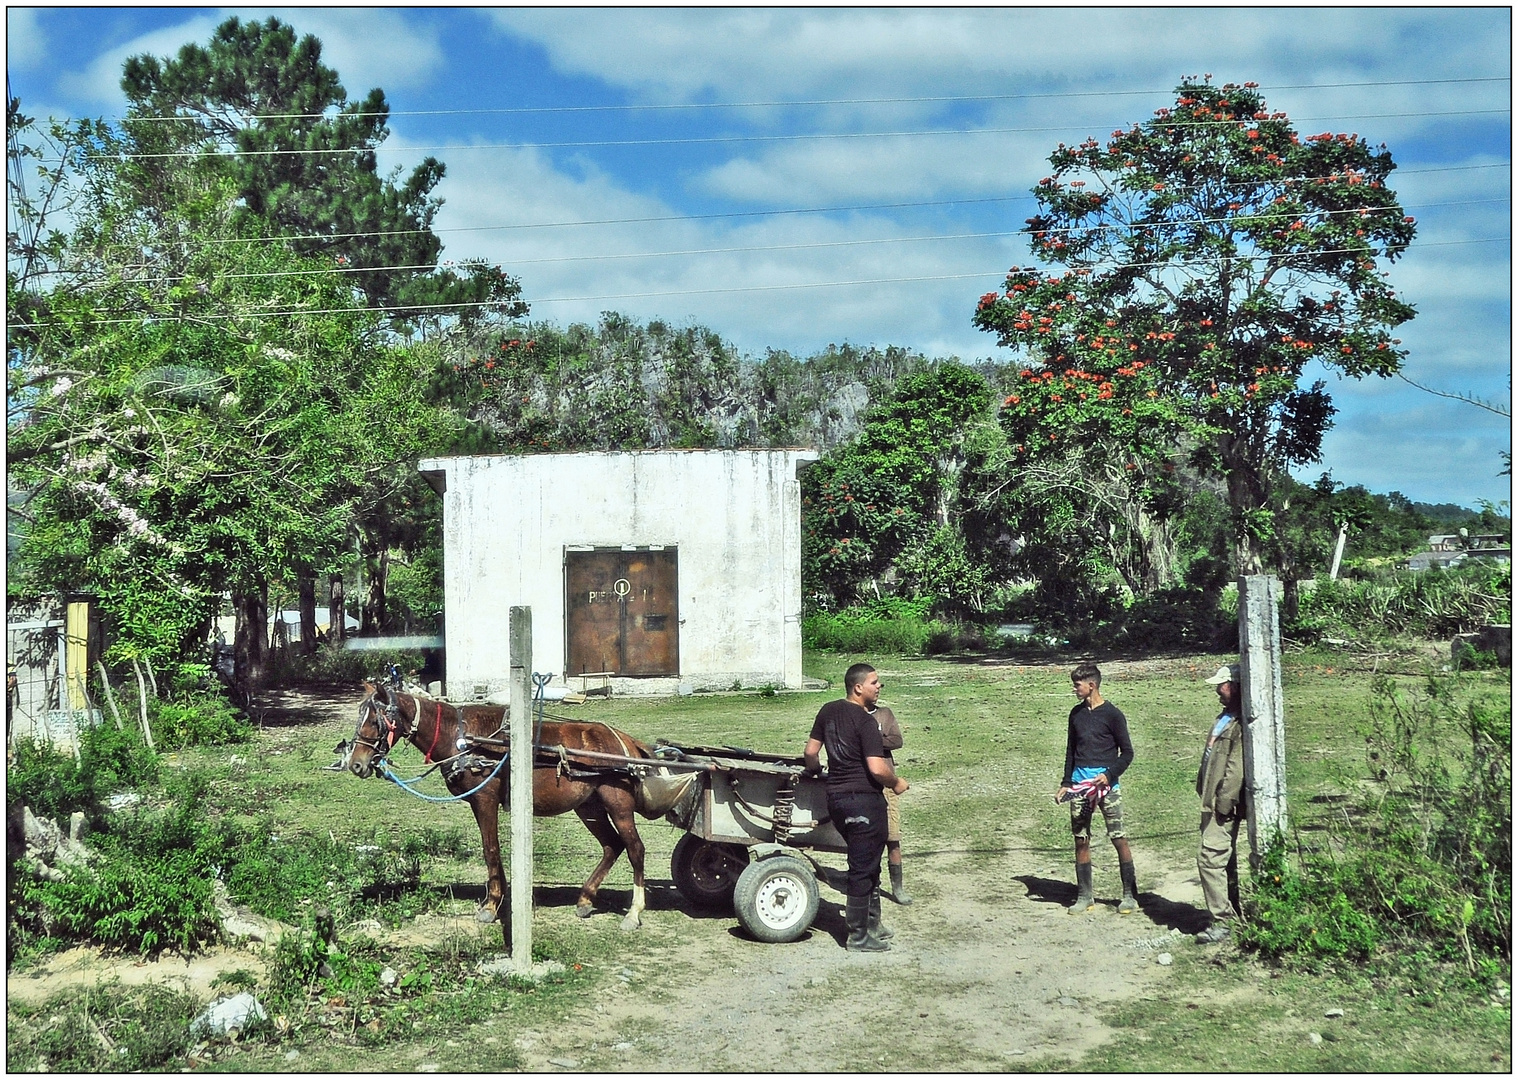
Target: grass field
(984,750)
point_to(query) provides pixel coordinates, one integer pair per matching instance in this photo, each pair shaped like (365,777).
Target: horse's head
(381,725)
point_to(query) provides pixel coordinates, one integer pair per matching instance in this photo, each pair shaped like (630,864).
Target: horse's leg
(619,806)
(486,804)
(594,815)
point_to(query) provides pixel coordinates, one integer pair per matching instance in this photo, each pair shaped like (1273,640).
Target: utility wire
(937,99)
(694,140)
(455,307)
(651,219)
(786,247)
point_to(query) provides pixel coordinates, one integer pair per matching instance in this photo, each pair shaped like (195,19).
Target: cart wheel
(705,871)
(776,898)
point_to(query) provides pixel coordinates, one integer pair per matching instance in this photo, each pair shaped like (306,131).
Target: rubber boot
(878,928)
(856,913)
(1129,903)
(1084,900)
(896,893)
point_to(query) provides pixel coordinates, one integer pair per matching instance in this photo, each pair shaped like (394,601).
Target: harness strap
(437,729)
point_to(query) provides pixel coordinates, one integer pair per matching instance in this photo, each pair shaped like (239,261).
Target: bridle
(387,722)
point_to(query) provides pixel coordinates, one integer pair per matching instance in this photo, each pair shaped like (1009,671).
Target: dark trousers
(861,817)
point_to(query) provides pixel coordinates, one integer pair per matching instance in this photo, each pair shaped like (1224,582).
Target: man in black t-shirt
(858,769)
(1097,751)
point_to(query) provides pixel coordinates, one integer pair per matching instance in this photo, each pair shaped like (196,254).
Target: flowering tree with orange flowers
(1205,258)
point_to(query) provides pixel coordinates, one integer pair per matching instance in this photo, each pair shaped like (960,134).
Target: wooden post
(520,632)
(1265,726)
(77,663)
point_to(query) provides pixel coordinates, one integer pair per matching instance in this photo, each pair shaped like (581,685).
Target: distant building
(652,570)
(1439,559)
(1451,549)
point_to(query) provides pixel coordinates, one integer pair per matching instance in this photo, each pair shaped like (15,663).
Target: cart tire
(706,872)
(776,899)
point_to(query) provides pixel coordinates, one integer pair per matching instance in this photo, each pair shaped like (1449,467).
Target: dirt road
(988,971)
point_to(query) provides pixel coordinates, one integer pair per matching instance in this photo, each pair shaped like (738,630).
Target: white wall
(733,515)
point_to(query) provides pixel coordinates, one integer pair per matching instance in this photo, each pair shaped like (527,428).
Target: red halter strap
(437,729)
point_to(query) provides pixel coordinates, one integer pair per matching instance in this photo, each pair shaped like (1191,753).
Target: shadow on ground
(1172,915)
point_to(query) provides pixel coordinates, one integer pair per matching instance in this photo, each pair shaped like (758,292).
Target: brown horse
(603,793)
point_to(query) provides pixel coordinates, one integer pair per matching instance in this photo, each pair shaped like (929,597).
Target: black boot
(877,928)
(1129,903)
(1084,899)
(896,893)
(857,914)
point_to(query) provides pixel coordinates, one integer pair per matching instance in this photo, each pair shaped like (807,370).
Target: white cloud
(371,46)
(97,87)
(26,44)
(366,46)
(679,54)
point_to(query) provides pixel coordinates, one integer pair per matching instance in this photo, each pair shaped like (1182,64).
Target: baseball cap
(1226,673)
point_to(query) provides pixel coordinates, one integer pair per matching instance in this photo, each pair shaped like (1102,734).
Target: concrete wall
(733,515)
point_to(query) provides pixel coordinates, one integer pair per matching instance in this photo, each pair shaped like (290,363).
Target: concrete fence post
(1265,727)
(522,752)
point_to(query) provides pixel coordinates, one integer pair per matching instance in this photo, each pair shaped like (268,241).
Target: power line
(456,307)
(707,106)
(796,247)
(716,139)
(652,219)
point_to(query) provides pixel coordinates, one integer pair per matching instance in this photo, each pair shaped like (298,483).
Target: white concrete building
(656,567)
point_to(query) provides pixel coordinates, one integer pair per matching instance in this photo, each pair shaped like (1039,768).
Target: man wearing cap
(1220,783)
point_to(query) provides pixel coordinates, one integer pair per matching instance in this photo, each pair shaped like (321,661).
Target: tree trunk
(249,646)
(337,615)
(306,583)
(1247,495)
(374,606)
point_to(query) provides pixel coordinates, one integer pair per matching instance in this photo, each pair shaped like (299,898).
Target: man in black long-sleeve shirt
(1097,751)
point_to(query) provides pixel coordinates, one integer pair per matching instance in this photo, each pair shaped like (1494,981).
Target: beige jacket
(1220,780)
(890,730)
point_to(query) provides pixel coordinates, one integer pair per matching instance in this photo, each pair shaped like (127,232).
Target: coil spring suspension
(785,802)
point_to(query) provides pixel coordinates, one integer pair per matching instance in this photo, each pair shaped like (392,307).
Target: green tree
(1210,255)
(258,105)
(203,423)
(894,484)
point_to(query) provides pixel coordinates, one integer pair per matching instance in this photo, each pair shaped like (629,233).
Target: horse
(604,795)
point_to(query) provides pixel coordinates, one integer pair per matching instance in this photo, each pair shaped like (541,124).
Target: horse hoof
(584,910)
(632,922)
(485,914)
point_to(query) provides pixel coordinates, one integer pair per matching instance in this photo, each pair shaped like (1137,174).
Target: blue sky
(728,116)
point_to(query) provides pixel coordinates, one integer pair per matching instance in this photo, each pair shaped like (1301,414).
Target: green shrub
(1307,914)
(1434,604)
(1182,617)
(863,631)
(198,718)
(54,784)
(1422,859)
(332,662)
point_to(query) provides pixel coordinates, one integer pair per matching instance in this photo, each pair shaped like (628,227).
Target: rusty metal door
(621,612)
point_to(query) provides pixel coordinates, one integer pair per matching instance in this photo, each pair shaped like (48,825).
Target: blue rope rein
(539,682)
